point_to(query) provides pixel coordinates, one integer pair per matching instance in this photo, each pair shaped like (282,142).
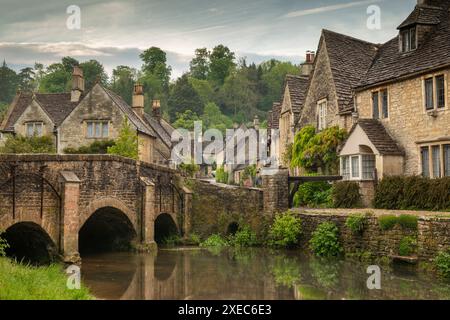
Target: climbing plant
(313,151)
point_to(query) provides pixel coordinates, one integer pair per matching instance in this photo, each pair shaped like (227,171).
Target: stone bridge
(73,203)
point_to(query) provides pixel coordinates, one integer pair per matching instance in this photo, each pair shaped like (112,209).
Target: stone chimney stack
(156,109)
(256,122)
(77,84)
(138,100)
(308,65)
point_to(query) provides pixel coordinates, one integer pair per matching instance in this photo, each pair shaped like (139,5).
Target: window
(440,91)
(409,40)
(358,167)
(425,160)
(97,129)
(447,160)
(375,106)
(322,115)
(436,158)
(435,93)
(34,129)
(380,104)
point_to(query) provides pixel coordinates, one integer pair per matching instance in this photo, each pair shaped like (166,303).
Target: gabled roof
(379,137)
(276,110)
(57,106)
(350,58)
(391,64)
(422,15)
(161,128)
(298,86)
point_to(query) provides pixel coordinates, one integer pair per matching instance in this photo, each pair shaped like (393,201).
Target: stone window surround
(34,124)
(86,133)
(435,93)
(321,126)
(360,161)
(380,102)
(430,146)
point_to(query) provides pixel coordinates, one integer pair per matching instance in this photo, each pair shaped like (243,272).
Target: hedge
(346,195)
(413,193)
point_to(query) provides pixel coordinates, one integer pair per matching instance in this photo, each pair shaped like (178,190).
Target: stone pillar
(149,215)
(367,190)
(187,211)
(276,190)
(70,216)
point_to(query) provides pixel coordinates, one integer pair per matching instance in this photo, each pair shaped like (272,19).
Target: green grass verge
(21,282)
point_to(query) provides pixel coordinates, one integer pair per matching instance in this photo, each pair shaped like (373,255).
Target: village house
(79,118)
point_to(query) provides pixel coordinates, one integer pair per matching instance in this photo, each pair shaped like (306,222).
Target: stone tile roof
(391,64)
(298,86)
(56,105)
(422,15)
(276,110)
(378,135)
(128,111)
(161,128)
(350,58)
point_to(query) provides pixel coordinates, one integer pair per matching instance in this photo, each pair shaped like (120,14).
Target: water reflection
(247,274)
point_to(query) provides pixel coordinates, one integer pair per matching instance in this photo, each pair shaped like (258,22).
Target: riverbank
(22,282)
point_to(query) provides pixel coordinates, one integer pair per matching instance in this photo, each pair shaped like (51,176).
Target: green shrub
(194,239)
(127,144)
(221,175)
(3,246)
(189,169)
(244,237)
(442,263)
(313,194)
(407,246)
(346,195)
(356,223)
(407,221)
(19,144)
(214,240)
(325,240)
(285,230)
(388,193)
(387,222)
(172,240)
(97,147)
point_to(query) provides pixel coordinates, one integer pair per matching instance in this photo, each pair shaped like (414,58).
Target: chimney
(307,66)
(138,100)
(156,109)
(77,84)
(256,123)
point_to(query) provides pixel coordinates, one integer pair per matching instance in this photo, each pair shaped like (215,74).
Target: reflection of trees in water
(286,270)
(326,272)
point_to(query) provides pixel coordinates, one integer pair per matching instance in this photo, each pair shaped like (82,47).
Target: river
(247,274)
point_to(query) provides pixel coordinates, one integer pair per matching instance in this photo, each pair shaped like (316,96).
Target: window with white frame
(97,129)
(434,88)
(435,160)
(358,167)
(34,129)
(322,115)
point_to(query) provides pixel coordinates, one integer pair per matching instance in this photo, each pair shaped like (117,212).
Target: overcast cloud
(115,32)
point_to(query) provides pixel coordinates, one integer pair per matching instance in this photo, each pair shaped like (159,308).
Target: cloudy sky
(114,32)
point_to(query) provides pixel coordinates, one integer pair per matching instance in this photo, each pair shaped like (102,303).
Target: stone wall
(409,124)
(216,206)
(433,235)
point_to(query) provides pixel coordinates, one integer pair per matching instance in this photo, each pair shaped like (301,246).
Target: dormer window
(408,39)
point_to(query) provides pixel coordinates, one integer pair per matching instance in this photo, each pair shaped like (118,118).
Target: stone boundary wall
(433,235)
(216,206)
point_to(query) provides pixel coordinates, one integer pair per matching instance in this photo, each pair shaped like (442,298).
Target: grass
(23,282)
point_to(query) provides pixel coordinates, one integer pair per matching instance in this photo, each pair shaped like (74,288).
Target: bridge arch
(30,243)
(165,227)
(107,225)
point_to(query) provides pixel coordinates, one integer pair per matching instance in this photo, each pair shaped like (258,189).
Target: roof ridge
(349,37)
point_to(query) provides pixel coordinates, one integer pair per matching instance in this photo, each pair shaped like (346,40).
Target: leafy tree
(185,120)
(214,119)
(20,144)
(126,144)
(8,83)
(183,97)
(204,89)
(222,62)
(93,71)
(56,79)
(3,109)
(26,79)
(122,82)
(199,66)
(69,63)
(155,62)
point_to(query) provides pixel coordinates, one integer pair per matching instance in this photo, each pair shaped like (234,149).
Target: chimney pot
(138,100)
(307,66)
(156,109)
(77,84)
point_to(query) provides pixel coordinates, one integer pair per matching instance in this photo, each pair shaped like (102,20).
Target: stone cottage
(79,118)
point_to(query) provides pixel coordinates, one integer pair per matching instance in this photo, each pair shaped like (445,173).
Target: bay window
(358,167)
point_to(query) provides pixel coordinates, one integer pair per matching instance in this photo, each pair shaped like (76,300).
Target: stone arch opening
(29,243)
(107,230)
(165,227)
(232,228)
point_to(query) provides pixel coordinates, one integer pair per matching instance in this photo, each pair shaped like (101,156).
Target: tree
(122,82)
(26,79)
(199,66)
(203,89)
(93,71)
(185,120)
(183,97)
(56,79)
(213,118)
(8,84)
(155,63)
(3,109)
(126,144)
(222,62)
